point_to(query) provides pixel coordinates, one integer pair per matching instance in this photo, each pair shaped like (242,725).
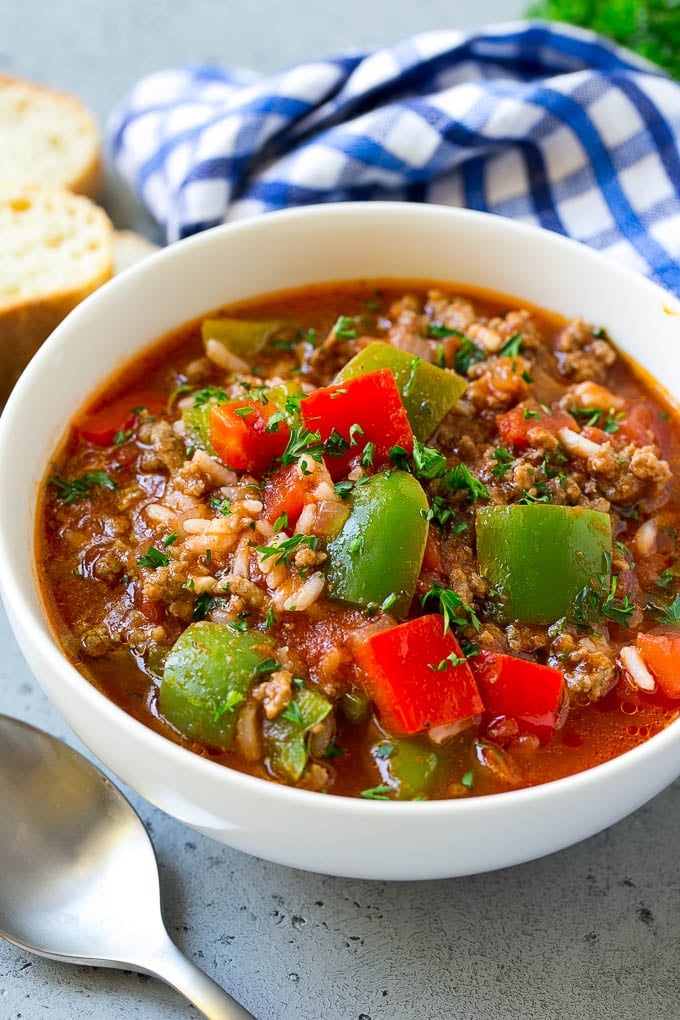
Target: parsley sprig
(68,491)
(284,550)
(599,600)
(456,613)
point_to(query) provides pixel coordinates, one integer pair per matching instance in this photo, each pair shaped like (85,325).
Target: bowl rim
(34,627)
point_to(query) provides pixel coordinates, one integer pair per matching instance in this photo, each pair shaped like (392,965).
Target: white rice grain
(632,662)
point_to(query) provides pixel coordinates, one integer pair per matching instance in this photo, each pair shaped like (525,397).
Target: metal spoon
(79,874)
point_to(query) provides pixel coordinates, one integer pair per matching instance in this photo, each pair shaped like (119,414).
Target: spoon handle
(171,966)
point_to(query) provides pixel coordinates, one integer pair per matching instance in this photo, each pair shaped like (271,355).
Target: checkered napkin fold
(541,122)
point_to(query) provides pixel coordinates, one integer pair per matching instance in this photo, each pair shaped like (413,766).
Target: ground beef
(581,355)
(588,664)
(167,451)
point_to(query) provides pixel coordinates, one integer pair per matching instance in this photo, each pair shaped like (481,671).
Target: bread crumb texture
(47,137)
(55,249)
(52,242)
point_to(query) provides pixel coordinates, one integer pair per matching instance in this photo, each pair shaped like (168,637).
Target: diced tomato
(661,654)
(433,558)
(531,694)
(595,435)
(515,425)
(117,417)
(410,692)
(638,426)
(238,433)
(367,408)
(287,491)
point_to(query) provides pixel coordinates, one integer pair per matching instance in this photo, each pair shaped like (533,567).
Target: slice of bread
(55,248)
(47,137)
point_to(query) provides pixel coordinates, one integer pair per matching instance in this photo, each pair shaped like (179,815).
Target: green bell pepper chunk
(197,426)
(287,734)
(376,558)
(244,338)
(428,392)
(207,676)
(409,767)
(196,417)
(538,557)
(356,706)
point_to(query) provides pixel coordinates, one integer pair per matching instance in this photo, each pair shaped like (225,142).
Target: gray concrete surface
(591,932)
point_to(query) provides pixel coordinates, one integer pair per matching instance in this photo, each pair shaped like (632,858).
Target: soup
(382,540)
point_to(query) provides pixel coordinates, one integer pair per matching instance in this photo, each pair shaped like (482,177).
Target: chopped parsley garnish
(455,612)
(210,394)
(122,436)
(598,600)
(384,750)
(451,660)
(267,666)
(468,354)
(344,488)
(367,455)
(512,347)
(381,792)
(232,699)
(665,578)
(171,539)
(345,328)
(437,331)
(68,491)
(608,422)
(240,626)
(669,613)
(439,513)
(529,413)
(302,443)
(543,495)
(243,412)
(153,558)
(503,460)
(333,750)
(223,506)
(335,445)
(399,457)
(284,550)
(203,603)
(270,619)
(467,779)
(354,431)
(461,478)
(281,522)
(293,714)
(429,463)
(600,333)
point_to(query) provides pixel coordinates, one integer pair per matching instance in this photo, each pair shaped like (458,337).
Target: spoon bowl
(80,877)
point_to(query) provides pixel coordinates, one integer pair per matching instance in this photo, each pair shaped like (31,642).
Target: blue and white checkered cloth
(541,122)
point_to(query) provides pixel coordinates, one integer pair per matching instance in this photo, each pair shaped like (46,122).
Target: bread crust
(28,319)
(85,178)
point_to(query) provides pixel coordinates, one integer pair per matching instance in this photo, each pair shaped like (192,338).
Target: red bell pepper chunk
(661,654)
(117,417)
(373,403)
(286,492)
(515,425)
(531,694)
(410,692)
(238,433)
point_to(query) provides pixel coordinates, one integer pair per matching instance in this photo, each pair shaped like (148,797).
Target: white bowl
(335,835)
